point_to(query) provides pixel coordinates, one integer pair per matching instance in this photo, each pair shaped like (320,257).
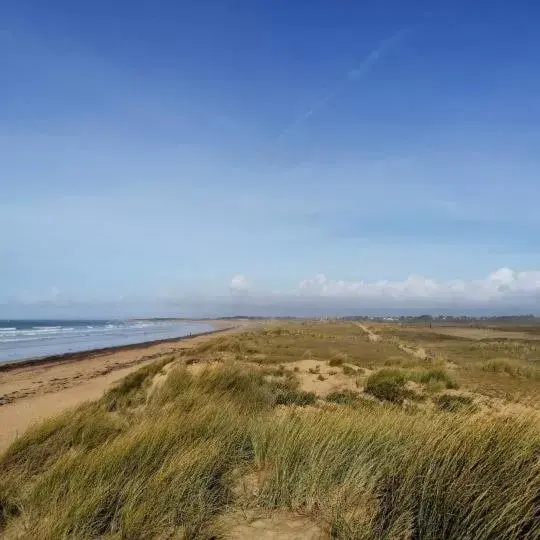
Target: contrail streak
(353,74)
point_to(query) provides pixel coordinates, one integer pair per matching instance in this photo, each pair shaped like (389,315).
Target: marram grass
(166,463)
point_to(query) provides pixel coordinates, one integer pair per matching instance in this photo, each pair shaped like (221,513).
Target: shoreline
(74,356)
(31,391)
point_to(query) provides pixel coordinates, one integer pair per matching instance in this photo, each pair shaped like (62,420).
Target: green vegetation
(454,402)
(389,475)
(434,375)
(165,460)
(344,397)
(295,397)
(335,362)
(388,385)
(286,343)
(514,368)
(499,361)
(338,359)
(131,390)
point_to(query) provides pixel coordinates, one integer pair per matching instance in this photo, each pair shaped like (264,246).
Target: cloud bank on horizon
(503,291)
(503,286)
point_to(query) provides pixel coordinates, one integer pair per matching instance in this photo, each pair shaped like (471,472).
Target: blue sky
(159,156)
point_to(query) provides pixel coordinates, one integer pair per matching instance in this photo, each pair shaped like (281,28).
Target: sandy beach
(31,391)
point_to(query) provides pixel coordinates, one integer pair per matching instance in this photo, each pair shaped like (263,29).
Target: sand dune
(33,391)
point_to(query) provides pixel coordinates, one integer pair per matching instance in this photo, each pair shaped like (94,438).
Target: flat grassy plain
(298,430)
(496,361)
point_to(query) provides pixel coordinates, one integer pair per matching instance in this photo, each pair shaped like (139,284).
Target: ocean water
(21,340)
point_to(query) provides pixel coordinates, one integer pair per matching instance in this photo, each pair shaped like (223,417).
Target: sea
(33,339)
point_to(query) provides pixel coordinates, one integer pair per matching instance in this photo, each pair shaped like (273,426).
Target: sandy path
(371,335)
(417,352)
(32,392)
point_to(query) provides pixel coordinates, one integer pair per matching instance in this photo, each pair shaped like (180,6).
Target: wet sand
(33,390)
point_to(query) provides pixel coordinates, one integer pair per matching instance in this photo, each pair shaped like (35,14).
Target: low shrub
(453,402)
(295,397)
(388,385)
(333,362)
(343,397)
(434,387)
(338,359)
(434,375)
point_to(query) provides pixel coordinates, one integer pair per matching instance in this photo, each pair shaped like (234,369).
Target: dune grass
(454,402)
(506,368)
(84,474)
(348,397)
(512,367)
(284,343)
(437,375)
(388,385)
(164,461)
(376,474)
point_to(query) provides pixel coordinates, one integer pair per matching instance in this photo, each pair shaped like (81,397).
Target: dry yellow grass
(507,368)
(192,456)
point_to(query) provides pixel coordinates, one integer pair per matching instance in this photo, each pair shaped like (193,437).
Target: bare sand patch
(416,352)
(271,525)
(320,378)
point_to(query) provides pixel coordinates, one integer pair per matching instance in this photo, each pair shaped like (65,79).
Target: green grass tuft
(343,397)
(131,390)
(338,359)
(387,385)
(453,402)
(434,375)
(295,397)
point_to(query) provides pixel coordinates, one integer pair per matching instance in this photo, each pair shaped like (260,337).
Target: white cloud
(501,285)
(239,284)
(503,291)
